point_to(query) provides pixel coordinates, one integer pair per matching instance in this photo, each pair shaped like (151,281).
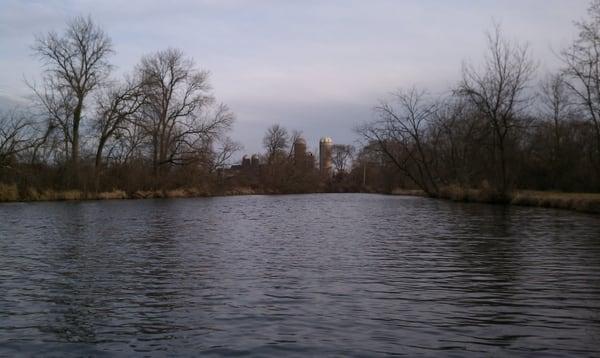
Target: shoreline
(579,202)
(10,194)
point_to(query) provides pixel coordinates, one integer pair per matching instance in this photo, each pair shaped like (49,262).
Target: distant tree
(400,132)
(275,141)
(76,64)
(498,91)
(17,135)
(220,153)
(342,155)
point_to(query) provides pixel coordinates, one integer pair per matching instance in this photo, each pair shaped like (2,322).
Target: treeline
(159,127)
(498,129)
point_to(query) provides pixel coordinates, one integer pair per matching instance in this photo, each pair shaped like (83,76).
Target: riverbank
(10,193)
(581,202)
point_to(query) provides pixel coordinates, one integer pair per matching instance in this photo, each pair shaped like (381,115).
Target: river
(297,275)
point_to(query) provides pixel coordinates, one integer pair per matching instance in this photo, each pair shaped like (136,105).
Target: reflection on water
(297,275)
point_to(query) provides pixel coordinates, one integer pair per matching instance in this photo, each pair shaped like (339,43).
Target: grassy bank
(582,202)
(11,193)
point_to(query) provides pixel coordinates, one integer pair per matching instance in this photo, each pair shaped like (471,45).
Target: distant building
(325,157)
(249,165)
(246,163)
(255,161)
(302,158)
(300,149)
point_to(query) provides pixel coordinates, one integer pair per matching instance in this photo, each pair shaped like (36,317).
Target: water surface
(316,275)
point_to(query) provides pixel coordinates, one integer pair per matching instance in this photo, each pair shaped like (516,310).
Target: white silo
(325,154)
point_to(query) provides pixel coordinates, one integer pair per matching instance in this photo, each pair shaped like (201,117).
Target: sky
(319,66)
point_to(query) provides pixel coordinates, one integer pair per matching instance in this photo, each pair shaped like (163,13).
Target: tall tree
(582,71)
(400,133)
(178,114)
(497,90)
(76,63)
(556,110)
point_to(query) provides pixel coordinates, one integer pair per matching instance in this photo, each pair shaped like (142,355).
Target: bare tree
(582,70)
(177,112)
(221,153)
(342,155)
(556,107)
(17,135)
(275,141)
(401,131)
(76,64)
(116,107)
(498,91)
(57,108)
(459,137)
(129,142)
(197,136)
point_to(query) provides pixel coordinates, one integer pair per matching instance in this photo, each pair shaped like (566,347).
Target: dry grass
(112,195)
(408,192)
(32,194)
(584,202)
(174,193)
(51,195)
(143,194)
(177,193)
(482,195)
(9,192)
(240,191)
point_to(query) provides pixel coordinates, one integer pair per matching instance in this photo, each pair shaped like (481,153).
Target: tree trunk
(503,171)
(75,143)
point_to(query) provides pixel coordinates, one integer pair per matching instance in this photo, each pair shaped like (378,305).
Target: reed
(112,195)
(9,192)
(583,202)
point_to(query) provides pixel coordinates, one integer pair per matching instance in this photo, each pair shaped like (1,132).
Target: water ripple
(317,275)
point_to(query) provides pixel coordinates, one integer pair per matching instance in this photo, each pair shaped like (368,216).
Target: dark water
(315,275)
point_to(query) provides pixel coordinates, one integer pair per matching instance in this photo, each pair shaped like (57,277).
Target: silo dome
(300,140)
(326,140)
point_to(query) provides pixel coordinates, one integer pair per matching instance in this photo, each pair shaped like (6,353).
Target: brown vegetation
(582,202)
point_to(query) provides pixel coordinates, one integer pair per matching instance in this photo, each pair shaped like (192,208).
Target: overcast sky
(317,66)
